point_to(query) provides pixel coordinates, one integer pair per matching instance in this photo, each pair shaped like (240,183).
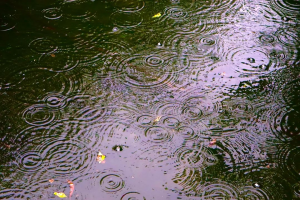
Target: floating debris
(118,148)
(52,55)
(157,119)
(157,15)
(212,142)
(101,157)
(51,180)
(72,187)
(60,194)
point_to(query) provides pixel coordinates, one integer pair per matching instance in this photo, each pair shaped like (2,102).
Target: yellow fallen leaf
(157,15)
(245,85)
(60,194)
(101,157)
(157,119)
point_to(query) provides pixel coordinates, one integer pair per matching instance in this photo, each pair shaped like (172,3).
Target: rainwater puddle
(140,99)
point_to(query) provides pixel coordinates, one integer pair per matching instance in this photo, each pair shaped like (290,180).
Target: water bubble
(251,60)
(256,185)
(118,148)
(115,29)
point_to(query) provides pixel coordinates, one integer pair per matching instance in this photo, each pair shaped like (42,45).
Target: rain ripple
(79,10)
(133,196)
(10,193)
(90,114)
(288,161)
(52,13)
(55,100)
(48,149)
(43,45)
(54,155)
(153,70)
(157,134)
(291,93)
(254,61)
(58,61)
(112,183)
(127,19)
(7,17)
(249,192)
(194,158)
(288,37)
(39,115)
(283,122)
(41,189)
(130,5)
(194,45)
(109,181)
(286,7)
(155,156)
(214,190)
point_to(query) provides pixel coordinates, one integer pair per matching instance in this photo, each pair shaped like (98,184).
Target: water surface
(187,99)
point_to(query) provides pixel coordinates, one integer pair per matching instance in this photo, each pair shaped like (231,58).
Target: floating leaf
(101,157)
(157,119)
(51,180)
(60,194)
(157,15)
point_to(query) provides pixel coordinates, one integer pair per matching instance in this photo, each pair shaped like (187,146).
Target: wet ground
(165,99)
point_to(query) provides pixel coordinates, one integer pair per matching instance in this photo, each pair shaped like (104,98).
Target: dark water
(201,101)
